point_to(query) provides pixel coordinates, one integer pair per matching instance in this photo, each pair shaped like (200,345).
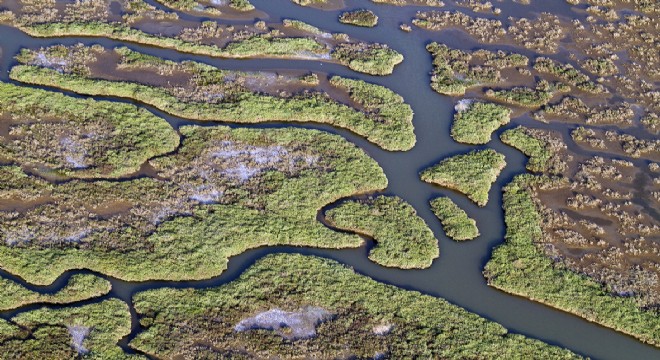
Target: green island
(80,138)
(436,3)
(43,19)
(403,239)
(520,267)
(89,332)
(286,306)
(471,174)
(208,7)
(201,92)
(475,121)
(79,287)
(455,221)
(223,192)
(361,17)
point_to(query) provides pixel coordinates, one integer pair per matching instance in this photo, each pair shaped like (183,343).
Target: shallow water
(456,274)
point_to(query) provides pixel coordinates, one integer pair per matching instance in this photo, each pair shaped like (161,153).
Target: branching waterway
(457,274)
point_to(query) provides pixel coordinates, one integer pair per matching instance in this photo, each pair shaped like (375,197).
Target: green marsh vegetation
(471,174)
(367,318)
(556,256)
(437,3)
(484,30)
(43,19)
(207,93)
(361,17)
(455,71)
(545,151)
(455,221)
(303,26)
(568,74)
(80,138)
(89,332)
(475,122)
(527,97)
(207,7)
(520,267)
(79,287)
(374,59)
(402,238)
(310,2)
(223,192)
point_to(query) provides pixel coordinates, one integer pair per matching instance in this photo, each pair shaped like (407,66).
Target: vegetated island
(471,174)
(80,138)
(210,7)
(403,239)
(319,3)
(223,192)
(455,221)
(202,92)
(360,17)
(79,287)
(88,331)
(290,305)
(139,22)
(475,121)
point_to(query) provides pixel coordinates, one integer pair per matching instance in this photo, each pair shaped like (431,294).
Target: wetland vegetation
(201,92)
(455,221)
(521,267)
(223,192)
(402,238)
(455,71)
(361,17)
(342,314)
(79,287)
(209,7)
(475,122)
(109,186)
(136,20)
(581,236)
(88,331)
(79,138)
(471,174)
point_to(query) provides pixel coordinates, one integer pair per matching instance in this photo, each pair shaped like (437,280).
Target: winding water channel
(455,276)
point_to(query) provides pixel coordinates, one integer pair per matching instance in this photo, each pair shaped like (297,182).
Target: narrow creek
(456,275)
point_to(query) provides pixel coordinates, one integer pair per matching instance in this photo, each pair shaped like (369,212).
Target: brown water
(456,274)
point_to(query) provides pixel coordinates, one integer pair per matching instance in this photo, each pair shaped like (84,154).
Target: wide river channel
(457,274)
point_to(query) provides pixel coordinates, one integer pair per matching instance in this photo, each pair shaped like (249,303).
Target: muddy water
(456,275)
